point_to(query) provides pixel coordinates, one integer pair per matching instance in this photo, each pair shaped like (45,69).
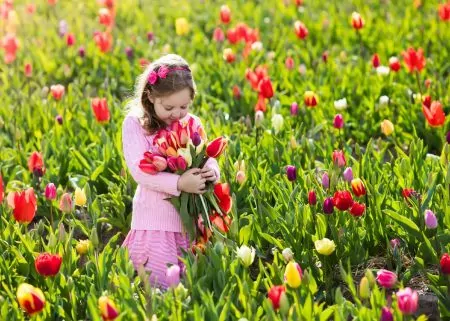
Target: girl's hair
(178,78)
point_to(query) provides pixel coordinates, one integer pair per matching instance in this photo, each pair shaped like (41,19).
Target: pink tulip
(65,204)
(181,163)
(407,300)
(173,275)
(172,163)
(325,180)
(338,121)
(430,219)
(50,191)
(386,279)
(348,174)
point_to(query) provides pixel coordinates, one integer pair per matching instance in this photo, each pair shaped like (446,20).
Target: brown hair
(176,80)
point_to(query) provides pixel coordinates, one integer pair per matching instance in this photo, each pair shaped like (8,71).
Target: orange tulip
(300,30)
(36,164)
(434,114)
(30,299)
(311,99)
(24,205)
(216,147)
(357,21)
(358,187)
(100,108)
(107,308)
(57,91)
(414,60)
(103,40)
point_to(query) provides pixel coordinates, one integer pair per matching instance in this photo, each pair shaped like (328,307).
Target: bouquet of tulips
(180,147)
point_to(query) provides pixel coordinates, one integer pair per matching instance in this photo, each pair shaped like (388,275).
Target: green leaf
(409,225)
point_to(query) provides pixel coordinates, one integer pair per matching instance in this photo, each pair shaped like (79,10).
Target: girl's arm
(134,146)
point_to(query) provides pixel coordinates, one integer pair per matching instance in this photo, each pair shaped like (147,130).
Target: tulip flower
(407,300)
(24,205)
(357,209)
(57,91)
(47,264)
(107,308)
(50,192)
(236,92)
(311,99)
(216,147)
(259,118)
(59,119)
(103,41)
(384,100)
(357,21)
(82,246)
(277,122)
(181,26)
(339,158)
(414,60)
(358,187)
(364,288)
(80,197)
(228,55)
(445,264)
(386,279)
(278,298)
(342,200)
(81,51)
(65,203)
(2,192)
(291,173)
(300,30)
(325,246)
(223,196)
(265,88)
(325,180)
(293,275)
(10,45)
(430,219)
(294,109)
(218,35)
(246,255)
(340,104)
(289,63)
(241,177)
(28,70)
(100,109)
(444,11)
(394,64)
(328,206)
(153,164)
(105,17)
(173,275)
(338,121)
(387,127)
(375,61)
(448,137)
(348,174)
(31,299)
(225,14)
(288,255)
(394,243)
(434,114)
(36,164)
(312,198)
(386,314)
(70,39)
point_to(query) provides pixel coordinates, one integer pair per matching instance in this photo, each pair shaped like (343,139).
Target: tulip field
(336,168)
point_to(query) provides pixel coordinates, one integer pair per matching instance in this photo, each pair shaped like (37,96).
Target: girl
(163,94)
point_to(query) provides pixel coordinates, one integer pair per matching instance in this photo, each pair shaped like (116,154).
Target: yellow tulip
(181,26)
(30,299)
(83,246)
(387,127)
(364,289)
(293,275)
(325,246)
(80,197)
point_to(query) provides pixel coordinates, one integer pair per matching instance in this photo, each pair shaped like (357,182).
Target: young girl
(163,94)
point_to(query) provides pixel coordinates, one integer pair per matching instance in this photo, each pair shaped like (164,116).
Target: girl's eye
(183,107)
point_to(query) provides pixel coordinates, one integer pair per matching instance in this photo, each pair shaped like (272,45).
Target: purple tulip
(348,174)
(294,109)
(62,28)
(291,172)
(386,314)
(325,180)
(338,121)
(395,243)
(150,36)
(328,205)
(129,52)
(196,139)
(430,219)
(50,191)
(173,275)
(81,52)
(59,119)
(448,137)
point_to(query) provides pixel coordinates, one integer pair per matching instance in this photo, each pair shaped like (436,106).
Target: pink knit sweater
(150,209)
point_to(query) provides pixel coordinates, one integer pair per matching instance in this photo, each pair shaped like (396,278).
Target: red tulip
(103,40)
(225,14)
(312,199)
(36,164)
(222,193)
(236,92)
(434,114)
(24,205)
(445,264)
(265,88)
(414,60)
(10,44)
(357,21)
(394,64)
(311,99)
(57,91)
(342,200)
(28,70)
(339,158)
(375,61)
(300,30)
(2,192)
(261,104)
(218,35)
(100,108)
(426,100)
(216,147)
(152,163)
(47,264)
(105,17)
(277,295)
(358,187)
(444,11)
(31,299)
(232,36)
(357,209)
(70,39)
(289,63)
(221,222)
(228,55)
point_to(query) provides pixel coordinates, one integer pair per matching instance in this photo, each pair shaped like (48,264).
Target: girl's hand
(209,174)
(192,181)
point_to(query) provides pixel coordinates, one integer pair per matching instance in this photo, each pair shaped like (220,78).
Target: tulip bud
(278,298)
(65,204)
(394,243)
(288,255)
(340,104)
(312,198)
(196,139)
(81,52)
(129,52)
(293,275)
(61,232)
(173,275)
(107,308)
(386,279)
(364,289)
(386,314)
(80,197)
(339,158)
(259,117)
(375,60)
(394,64)
(294,109)
(291,173)
(338,122)
(387,127)
(289,63)
(50,192)
(216,147)
(82,246)
(246,255)
(94,237)
(311,99)
(59,119)
(357,21)
(277,123)
(28,69)
(348,174)
(448,137)
(240,177)
(31,299)
(445,264)
(384,100)
(150,36)
(325,180)
(70,40)
(358,187)
(430,219)
(328,206)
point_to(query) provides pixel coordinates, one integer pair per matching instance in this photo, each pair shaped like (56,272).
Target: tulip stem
(418,83)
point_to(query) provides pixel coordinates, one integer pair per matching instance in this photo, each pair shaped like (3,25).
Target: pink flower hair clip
(162,73)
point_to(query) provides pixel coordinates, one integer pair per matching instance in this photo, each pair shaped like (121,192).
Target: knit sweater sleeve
(134,146)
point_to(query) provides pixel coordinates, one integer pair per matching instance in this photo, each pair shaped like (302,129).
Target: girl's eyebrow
(174,106)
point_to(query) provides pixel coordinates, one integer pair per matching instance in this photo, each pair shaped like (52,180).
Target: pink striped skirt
(156,250)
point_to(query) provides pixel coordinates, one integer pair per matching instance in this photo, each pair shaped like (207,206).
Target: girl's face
(173,107)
